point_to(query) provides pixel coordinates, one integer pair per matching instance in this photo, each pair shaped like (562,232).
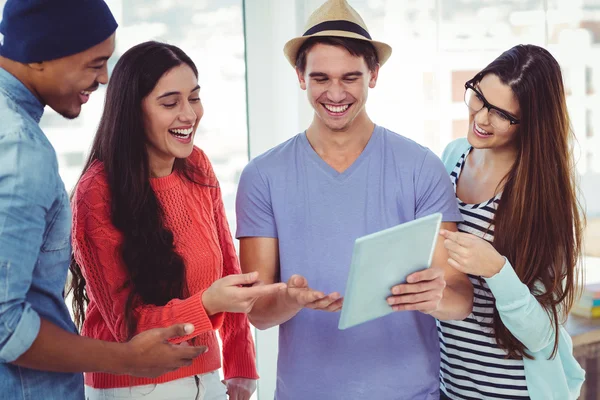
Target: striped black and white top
(472,364)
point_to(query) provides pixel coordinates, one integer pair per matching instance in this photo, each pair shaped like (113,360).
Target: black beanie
(43,30)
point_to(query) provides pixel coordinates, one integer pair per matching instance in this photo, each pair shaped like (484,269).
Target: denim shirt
(35,245)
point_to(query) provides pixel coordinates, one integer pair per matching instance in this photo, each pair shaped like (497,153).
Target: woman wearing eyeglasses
(520,239)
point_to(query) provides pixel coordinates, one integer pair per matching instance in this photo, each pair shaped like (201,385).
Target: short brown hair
(356,47)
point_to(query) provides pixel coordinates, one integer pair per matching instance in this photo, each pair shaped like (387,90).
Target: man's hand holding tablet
(394,261)
(423,291)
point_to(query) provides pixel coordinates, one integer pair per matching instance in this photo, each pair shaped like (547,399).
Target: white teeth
(337,109)
(85,93)
(481,131)
(184,133)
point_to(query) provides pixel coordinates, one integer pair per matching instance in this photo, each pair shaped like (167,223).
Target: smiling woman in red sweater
(151,242)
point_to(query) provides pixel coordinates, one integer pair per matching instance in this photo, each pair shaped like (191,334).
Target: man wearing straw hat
(301,205)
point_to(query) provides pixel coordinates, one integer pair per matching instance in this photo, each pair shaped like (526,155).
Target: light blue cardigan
(560,378)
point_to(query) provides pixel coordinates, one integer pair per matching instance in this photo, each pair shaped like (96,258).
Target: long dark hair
(156,272)
(538,223)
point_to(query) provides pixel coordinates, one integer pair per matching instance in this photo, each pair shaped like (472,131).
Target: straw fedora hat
(335,18)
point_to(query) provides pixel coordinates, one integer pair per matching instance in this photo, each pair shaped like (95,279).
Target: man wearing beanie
(301,206)
(54,52)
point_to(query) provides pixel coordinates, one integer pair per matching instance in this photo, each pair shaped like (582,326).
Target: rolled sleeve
(20,334)
(27,185)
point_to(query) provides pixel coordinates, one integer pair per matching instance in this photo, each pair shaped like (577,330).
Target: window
(211,33)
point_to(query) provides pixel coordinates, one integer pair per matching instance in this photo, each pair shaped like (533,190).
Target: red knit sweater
(196,216)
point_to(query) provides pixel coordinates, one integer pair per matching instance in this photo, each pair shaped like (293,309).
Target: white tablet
(382,260)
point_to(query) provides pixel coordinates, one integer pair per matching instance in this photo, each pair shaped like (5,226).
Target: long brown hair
(538,223)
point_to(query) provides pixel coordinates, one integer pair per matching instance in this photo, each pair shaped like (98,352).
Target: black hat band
(338,25)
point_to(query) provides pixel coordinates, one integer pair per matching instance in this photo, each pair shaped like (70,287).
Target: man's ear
(301,79)
(39,66)
(374,76)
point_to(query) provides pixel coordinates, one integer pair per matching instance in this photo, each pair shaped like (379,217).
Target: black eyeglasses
(499,119)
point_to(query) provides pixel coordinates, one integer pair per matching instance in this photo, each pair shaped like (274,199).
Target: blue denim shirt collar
(14,89)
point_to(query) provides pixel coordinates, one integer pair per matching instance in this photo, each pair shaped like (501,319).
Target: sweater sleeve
(520,311)
(239,356)
(452,153)
(96,247)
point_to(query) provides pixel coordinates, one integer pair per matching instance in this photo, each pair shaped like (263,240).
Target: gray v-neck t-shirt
(316,213)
